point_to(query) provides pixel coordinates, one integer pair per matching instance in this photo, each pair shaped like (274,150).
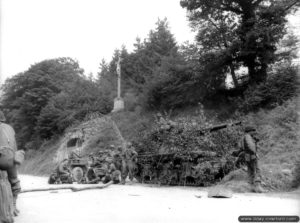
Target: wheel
(77,173)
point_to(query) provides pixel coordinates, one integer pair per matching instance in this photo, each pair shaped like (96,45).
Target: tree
(25,94)
(149,61)
(254,27)
(71,106)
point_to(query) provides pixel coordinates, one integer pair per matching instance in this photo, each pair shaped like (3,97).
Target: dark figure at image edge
(248,154)
(10,158)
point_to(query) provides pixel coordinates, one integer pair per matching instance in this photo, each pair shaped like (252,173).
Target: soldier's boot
(16,189)
(16,211)
(123,181)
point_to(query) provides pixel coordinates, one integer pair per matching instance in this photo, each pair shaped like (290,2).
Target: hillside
(279,146)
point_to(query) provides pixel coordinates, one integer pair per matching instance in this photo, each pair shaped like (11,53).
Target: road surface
(144,203)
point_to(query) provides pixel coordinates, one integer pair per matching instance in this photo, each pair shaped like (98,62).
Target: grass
(41,162)
(279,146)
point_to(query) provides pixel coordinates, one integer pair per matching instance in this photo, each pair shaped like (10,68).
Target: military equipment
(55,178)
(185,166)
(79,168)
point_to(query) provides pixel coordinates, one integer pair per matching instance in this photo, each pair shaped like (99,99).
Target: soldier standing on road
(118,158)
(10,158)
(129,159)
(248,152)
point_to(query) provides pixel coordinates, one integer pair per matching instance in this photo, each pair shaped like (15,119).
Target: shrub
(280,86)
(296,174)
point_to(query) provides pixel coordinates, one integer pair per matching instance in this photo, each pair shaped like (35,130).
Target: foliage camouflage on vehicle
(181,153)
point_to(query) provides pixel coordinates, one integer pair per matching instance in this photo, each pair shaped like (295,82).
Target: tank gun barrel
(218,127)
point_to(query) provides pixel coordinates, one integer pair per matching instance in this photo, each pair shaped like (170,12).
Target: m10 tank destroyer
(180,165)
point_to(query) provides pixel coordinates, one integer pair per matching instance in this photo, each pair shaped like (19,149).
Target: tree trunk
(235,81)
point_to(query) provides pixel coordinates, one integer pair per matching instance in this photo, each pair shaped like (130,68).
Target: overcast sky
(87,30)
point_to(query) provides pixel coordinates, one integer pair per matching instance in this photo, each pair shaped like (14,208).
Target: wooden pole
(72,188)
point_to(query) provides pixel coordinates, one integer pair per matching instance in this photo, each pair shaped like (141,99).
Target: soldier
(248,152)
(112,174)
(118,158)
(10,158)
(63,172)
(129,159)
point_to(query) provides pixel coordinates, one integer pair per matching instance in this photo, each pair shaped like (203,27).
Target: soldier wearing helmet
(129,160)
(10,158)
(248,152)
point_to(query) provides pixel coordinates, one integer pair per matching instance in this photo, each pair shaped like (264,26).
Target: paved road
(139,203)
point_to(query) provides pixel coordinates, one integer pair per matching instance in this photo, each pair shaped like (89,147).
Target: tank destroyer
(175,162)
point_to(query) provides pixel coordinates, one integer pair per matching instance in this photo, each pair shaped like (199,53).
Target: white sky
(87,30)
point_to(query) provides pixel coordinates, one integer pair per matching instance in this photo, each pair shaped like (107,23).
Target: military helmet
(2,117)
(249,128)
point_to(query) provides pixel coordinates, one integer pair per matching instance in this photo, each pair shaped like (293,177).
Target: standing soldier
(10,158)
(248,152)
(129,159)
(118,158)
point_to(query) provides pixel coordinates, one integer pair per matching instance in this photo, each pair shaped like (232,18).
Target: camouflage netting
(186,153)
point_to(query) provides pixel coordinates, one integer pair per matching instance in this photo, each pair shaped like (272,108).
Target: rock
(219,192)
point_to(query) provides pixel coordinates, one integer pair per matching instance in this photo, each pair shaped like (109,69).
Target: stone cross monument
(118,101)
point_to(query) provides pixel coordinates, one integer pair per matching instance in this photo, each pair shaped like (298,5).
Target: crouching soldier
(10,159)
(112,174)
(63,172)
(129,160)
(248,153)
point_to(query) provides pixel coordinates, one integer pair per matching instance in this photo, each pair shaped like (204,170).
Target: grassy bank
(279,149)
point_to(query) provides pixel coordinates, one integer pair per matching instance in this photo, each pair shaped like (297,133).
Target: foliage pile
(187,134)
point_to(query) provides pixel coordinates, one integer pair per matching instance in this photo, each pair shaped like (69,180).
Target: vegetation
(47,98)
(161,76)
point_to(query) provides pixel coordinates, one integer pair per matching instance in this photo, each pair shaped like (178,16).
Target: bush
(296,174)
(280,86)
(279,145)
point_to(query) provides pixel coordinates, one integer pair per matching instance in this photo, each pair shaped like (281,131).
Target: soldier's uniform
(63,172)
(129,159)
(117,157)
(6,199)
(248,152)
(112,174)
(10,158)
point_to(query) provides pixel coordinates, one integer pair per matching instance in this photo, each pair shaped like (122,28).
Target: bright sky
(87,30)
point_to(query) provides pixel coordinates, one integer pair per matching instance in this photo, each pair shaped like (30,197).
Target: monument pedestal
(118,104)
